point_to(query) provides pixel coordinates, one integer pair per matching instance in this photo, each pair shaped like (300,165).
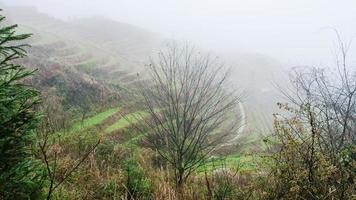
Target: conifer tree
(18,118)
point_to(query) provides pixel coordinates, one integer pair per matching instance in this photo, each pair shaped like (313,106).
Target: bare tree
(49,149)
(186,107)
(331,95)
(325,102)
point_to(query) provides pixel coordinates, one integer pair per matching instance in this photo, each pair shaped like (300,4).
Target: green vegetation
(46,152)
(239,162)
(87,66)
(20,175)
(94,120)
(126,120)
(137,185)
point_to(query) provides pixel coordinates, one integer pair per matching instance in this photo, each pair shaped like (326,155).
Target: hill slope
(85,63)
(91,62)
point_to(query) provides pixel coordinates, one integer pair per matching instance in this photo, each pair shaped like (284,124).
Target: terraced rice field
(239,162)
(94,120)
(125,121)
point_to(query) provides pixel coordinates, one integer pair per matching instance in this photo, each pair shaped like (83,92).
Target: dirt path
(241,129)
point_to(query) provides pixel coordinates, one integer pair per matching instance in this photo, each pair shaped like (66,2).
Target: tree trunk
(179,183)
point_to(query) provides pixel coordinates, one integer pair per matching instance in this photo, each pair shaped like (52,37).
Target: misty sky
(294,32)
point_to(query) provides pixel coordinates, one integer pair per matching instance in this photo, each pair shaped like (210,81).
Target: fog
(292,32)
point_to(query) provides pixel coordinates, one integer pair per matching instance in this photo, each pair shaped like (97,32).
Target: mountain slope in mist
(97,55)
(82,62)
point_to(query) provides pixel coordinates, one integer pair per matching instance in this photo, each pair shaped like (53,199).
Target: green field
(93,120)
(126,121)
(243,162)
(239,162)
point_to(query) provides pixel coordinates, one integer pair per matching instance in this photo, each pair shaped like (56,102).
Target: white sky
(293,32)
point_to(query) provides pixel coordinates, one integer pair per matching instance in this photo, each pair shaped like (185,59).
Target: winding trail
(241,129)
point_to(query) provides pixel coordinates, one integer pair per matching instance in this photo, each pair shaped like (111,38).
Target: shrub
(137,185)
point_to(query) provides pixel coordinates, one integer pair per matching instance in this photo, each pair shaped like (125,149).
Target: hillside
(89,64)
(93,108)
(84,66)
